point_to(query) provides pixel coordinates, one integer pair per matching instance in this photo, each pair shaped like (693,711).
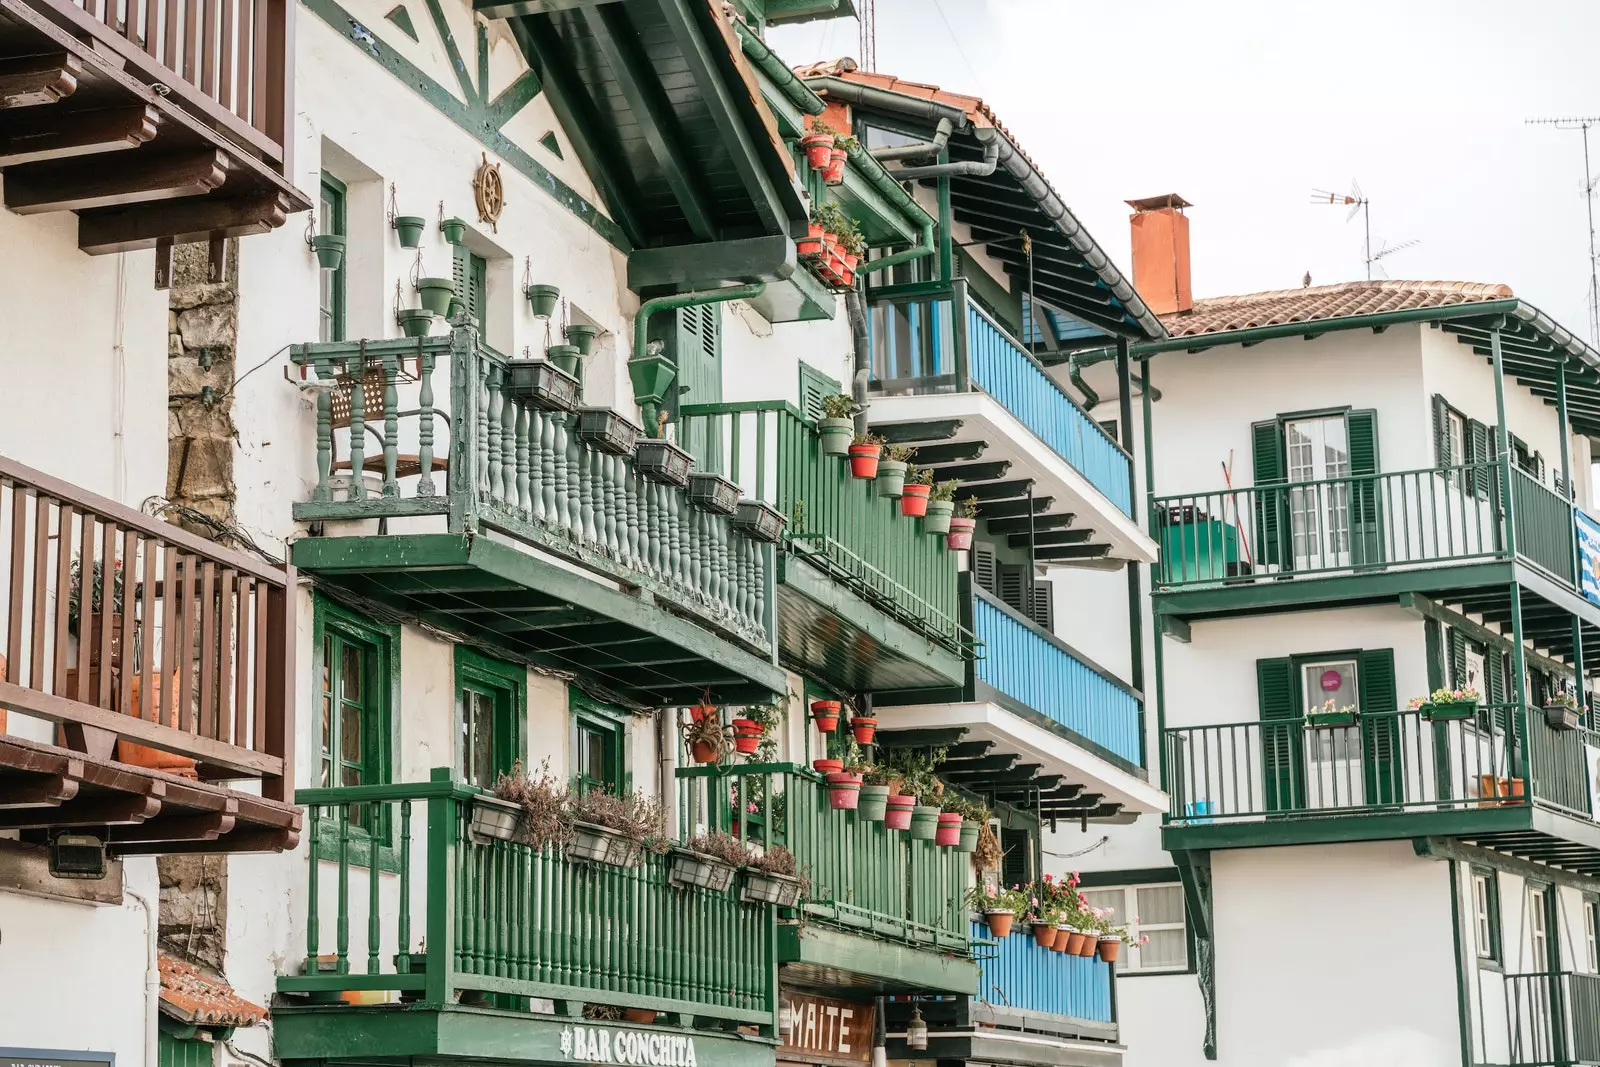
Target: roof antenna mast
(1357,202)
(1591,182)
(867,16)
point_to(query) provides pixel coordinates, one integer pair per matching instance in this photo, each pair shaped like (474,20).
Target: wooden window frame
(594,717)
(336,193)
(1487,945)
(1124,916)
(507,684)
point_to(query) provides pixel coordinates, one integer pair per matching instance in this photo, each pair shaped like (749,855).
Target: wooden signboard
(826,1030)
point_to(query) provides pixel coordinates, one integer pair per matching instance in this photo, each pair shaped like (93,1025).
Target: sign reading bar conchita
(821,1028)
(600,1044)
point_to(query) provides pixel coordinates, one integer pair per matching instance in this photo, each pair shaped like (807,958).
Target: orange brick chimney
(1161,252)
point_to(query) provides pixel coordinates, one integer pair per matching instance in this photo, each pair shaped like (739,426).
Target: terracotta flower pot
(897,811)
(1063,938)
(914,499)
(833,173)
(864,729)
(142,755)
(1108,947)
(703,751)
(827,766)
(999,922)
(700,711)
(844,790)
(1088,947)
(1072,941)
(818,148)
(825,713)
(810,246)
(639,1015)
(746,736)
(959,539)
(864,460)
(949,832)
(1044,935)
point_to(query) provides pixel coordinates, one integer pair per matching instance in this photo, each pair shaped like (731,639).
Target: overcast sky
(1244,106)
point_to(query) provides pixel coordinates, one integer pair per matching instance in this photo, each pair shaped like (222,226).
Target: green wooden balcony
(453,920)
(865,599)
(1552,1019)
(472,505)
(1502,778)
(887,912)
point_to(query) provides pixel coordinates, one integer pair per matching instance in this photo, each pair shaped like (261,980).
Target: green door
(1282,736)
(699,351)
(1366,499)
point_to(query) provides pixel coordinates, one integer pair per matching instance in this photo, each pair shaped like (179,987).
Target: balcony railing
(863,877)
(1387,762)
(1553,1019)
(838,524)
(1364,523)
(515,469)
(122,628)
(944,343)
(1018,975)
(1035,668)
(497,917)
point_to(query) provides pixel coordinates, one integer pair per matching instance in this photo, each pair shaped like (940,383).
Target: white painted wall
(1162,1020)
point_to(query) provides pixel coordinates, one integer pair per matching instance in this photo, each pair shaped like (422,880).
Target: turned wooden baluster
(324,490)
(495,414)
(524,483)
(358,430)
(425,422)
(549,475)
(391,426)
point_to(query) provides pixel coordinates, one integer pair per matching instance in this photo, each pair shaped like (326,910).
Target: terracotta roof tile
(195,997)
(1223,314)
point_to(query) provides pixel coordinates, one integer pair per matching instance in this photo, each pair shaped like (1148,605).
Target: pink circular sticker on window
(1332,680)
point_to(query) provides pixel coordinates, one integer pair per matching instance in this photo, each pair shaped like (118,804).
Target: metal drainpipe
(641,321)
(1091,399)
(856,308)
(923,247)
(971,168)
(920,150)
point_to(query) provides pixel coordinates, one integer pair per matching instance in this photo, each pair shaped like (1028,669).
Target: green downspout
(923,247)
(1562,414)
(1157,648)
(1091,399)
(648,372)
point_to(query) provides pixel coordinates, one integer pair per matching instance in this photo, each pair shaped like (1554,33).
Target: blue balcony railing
(1034,668)
(1022,976)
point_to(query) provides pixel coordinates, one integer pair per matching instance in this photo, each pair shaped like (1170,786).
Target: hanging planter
(948,830)
(1087,949)
(607,431)
(1448,711)
(542,384)
(454,229)
(542,299)
(970,829)
(1069,939)
(833,173)
(865,728)
(760,887)
(914,501)
(759,521)
(827,766)
(960,536)
(897,811)
(873,803)
(818,147)
(435,294)
(747,734)
(844,790)
(414,322)
(696,870)
(1108,946)
(864,458)
(825,713)
(810,246)
(329,248)
(563,356)
(662,461)
(702,711)
(494,819)
(891,477)
(999,920)
(925,822)
(409,228)
(1559,716)
(1044,935)
(936,516)
(835,435)
(581,335)
(713,493)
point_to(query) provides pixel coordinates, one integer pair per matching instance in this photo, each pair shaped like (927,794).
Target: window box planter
(936,519)
(825,713)
(818,148)
(1451,711)
(891,477)
(1561,717)
(414,322)
(864,728)
(836,435)
(833,173)
(747,734)
(948,830)
(759,521)
(409,228)
(662,461)
(581,335)
(914,500)
(762,888)
(601,844)
(563,356)
(607,431)
(873,803)
(1331,720)
(494,819)
(999,921)
(844,790)
(959,539)
(695,870)
(924,822)
(543,384)
(542,299)
(713,493)
(864,460)
(969,836)
(454,230)
(435,294)
(329,248)
(897,811)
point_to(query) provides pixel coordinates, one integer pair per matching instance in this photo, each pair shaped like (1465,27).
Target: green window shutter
(1272,527)
(1366,517)
(814,385)
(1481,452)
(1458,658)
(1435,652)
(1441,433)
(1380,735)
(1015,859)
(331,220)
(1282,741)
(1044,605)
(1012,581)
(983,568)
(699,350)
(471,275)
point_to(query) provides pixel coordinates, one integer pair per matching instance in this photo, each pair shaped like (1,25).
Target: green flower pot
(873,803)
(542,299)
(891,478)
(436,293)
(937,520)
(924,822)
(415,322)
(563,356)
(410,228)
(455,230)
(330,250)
(969,836)
(581,336)
(836,436)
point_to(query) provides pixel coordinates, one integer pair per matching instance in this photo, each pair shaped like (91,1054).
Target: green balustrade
(516,469)
(837,523)
(862,876)
(1552,1018)
(504,920)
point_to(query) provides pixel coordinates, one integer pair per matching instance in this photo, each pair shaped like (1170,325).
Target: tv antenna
(867,17)
(1359,204)
(1590,183)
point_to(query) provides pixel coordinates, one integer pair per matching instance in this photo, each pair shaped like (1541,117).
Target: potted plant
(865,452)
(435,294)
(563,356)
(914,498)
(614,829)
(844,786)
(897,808)
(493,819)
(1561,712)
(662,461)
(825,714)
(772,878)
(1043,926)
(961,526)
(838,156)
(1445,705)
(763,718)
(607,431)
(826,765)
(454,229)
(925,816)
(747,735)
(713,493)
(892,470)
(409,228)
(852,246)
(1332,715)
(414,322)
(975,819)
(810,246)
(874,800)
(863,728)
(759,521)
(706,738)
(581,335)
(837,426)
(544,818)
(998,906)
(707,861)
(542,299)
(639,1015)
(329,248)
(948,832)
(1109,939)
(941,506)
(702,711)
(542,384)
(817,144)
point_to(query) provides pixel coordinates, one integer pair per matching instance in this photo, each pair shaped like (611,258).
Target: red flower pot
(897,813)
(999,922)
(700,711)
(833,173)
(639,1015)
(818,148)
(914,500)
(960,536)
(864,464)
(844,790)
(825,713)
(1072,942)
(949,831)
(746,736)
(1088,948)
(810,246)
(827,766)
(1108,948)
(1044,935)
(703,751)
(865,729)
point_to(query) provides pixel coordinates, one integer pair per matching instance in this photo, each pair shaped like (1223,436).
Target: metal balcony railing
(1553,1019)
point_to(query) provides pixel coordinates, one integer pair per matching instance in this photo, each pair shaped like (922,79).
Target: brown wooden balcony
(157,121)
(142,669)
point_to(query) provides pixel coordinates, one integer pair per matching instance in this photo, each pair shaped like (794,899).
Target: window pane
(1108,898)
(350,733)
(477,737)
(327,660)
(1161,904)
(349,775)
(1167,948)
(350,674)
(594,757)
(327,726)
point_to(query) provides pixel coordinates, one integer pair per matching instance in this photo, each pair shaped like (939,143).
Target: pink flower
(1083,901)
(1144,940)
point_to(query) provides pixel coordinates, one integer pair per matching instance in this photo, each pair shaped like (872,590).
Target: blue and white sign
(1588,556)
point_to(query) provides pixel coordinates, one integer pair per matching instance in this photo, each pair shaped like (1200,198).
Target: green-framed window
(1153,911)
(1591,933)
(1460,441)
(599,745)
(1485,915)
(491,706)
(356,673)
(331,294)
(1290,688)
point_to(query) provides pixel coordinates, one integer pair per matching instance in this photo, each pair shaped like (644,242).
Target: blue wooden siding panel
(1023,976)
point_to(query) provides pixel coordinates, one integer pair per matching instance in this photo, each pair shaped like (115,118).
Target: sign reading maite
(824,1028)
(596,1044)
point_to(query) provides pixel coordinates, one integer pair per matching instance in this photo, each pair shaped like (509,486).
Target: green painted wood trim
(1136,876)
(1331,829)
(483,120)
(1463,996)
(1424,608)
(1321,592)
(1445,848)
(475,668)
(884,964)
(1194,874)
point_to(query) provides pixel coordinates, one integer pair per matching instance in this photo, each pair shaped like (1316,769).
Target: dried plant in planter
(780,861)
(707,737)
(720,846)
(606,1013)
(635,816)
(986,857)
(543,800)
